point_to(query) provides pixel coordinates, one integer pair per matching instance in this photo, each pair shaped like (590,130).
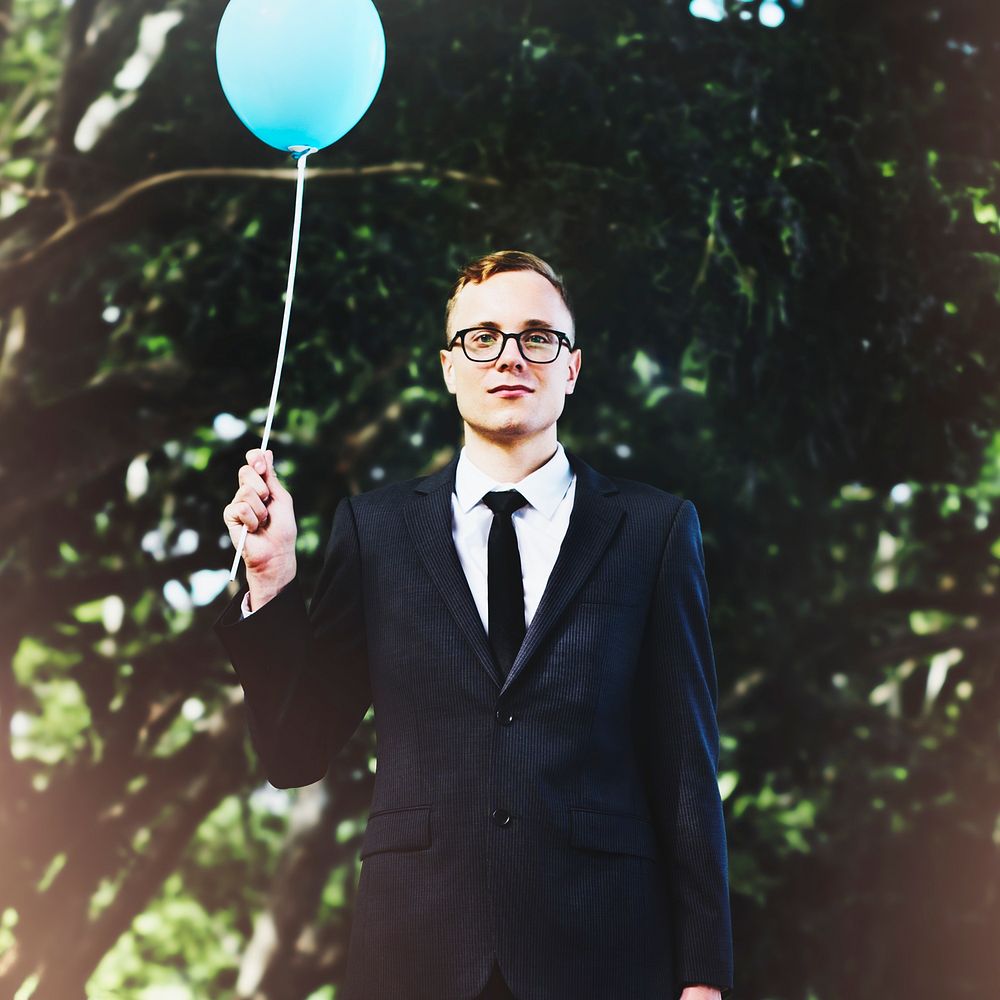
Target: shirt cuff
(726,991)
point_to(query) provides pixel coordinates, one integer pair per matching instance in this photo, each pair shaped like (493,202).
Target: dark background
(782,248)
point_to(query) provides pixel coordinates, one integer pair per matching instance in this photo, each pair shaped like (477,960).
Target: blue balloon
(300,72)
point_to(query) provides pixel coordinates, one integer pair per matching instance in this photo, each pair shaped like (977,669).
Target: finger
(248,516)
(256,460)
(270,476)
(238,514)
(249,479)
(247,495)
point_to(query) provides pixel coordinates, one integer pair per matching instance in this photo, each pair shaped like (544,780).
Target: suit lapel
(595,516)
(428,517)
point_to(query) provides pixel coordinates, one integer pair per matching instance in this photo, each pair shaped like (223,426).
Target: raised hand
(264,505)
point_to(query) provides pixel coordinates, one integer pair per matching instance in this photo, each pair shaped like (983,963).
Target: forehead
(509,298)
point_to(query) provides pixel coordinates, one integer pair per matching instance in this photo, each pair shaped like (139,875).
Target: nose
(511,353)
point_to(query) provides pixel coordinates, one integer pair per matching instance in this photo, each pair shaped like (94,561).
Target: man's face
(513,300)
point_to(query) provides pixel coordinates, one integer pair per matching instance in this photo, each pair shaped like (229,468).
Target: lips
(511,388)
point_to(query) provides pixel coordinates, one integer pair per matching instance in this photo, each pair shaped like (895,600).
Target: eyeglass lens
(484,344)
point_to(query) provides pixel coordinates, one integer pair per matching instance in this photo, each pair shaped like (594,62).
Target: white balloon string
(296,226)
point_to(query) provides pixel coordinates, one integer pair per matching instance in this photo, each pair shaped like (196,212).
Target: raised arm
(304,672)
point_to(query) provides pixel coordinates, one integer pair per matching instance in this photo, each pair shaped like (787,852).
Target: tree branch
(20,276)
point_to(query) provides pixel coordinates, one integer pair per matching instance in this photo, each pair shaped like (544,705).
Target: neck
(509,461)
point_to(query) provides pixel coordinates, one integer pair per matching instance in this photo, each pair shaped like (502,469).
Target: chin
(500,429)
(508,430)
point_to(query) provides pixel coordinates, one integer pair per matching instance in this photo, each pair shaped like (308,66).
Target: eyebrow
(524,325)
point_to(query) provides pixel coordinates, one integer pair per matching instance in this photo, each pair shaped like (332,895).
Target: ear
(573,371)
(448,370)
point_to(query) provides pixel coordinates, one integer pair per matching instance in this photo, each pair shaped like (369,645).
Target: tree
(782,249)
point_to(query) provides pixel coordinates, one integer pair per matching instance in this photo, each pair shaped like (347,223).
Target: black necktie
(503,577)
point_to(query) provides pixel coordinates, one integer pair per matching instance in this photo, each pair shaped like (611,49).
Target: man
(546,822)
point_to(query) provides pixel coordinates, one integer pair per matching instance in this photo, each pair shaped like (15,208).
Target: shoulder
(647,501)
(633,490)
(388,495)
(655,506)
(665,520)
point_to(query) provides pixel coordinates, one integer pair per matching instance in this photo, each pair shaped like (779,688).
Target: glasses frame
(516,337)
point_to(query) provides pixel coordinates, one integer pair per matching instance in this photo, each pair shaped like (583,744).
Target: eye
(538,337)
(484,337)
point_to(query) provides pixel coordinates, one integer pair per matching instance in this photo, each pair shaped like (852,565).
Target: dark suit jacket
(566,821)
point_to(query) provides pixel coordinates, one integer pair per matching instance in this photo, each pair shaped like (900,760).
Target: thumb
(270,476)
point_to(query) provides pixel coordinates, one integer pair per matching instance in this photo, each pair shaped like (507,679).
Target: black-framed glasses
(537,344)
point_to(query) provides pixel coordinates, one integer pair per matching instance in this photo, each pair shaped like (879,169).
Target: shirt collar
(543,489)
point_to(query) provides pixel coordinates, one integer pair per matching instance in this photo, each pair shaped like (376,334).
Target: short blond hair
(505,260)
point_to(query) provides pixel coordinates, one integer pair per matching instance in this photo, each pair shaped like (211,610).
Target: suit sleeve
(678,739)
(304,672)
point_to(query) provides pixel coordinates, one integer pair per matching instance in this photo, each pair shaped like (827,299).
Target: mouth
(511,390)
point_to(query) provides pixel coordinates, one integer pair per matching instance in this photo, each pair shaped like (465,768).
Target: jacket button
(504,717)
(501,817)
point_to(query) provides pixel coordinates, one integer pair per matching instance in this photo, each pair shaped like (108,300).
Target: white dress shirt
(540,526)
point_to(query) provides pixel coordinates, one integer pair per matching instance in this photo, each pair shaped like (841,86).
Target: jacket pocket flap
(614,832)
(397,830)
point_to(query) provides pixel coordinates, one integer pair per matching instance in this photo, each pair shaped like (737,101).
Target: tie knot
(504,501)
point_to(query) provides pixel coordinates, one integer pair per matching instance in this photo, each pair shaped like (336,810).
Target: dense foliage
(782,248)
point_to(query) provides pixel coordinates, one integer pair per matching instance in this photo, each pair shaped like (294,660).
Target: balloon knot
(300,151)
